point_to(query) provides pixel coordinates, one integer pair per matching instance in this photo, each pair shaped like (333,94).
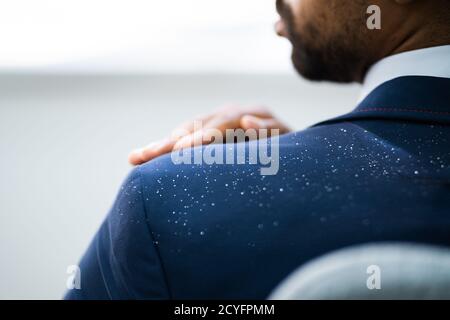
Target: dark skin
(331,42)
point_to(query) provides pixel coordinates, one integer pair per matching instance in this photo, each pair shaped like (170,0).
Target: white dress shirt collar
(432,62)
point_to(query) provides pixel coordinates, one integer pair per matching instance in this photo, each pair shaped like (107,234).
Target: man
(379,173)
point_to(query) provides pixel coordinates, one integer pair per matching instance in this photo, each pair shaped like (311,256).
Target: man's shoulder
(209,158)
(295,163)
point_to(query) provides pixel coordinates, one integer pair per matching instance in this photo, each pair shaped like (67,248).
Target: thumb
(252,122)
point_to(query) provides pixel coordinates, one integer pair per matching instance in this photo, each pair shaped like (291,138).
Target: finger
(188,127)
(185,131)
(223,122)
(151,151)
(216,126)
(226,117)
(230,117)
(201,137)
(252,122)
(256,110)
(219,124)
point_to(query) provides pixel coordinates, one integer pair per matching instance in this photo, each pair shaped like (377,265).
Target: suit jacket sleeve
(122,261)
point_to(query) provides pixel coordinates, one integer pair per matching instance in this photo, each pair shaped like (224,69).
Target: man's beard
(318,59)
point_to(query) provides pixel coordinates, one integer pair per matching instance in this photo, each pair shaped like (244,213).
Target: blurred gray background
(64,141)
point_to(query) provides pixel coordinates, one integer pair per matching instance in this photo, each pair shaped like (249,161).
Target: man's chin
(306,71)
(313,69)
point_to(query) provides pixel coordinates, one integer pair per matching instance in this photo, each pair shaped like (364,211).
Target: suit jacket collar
(410,98)
(426,62)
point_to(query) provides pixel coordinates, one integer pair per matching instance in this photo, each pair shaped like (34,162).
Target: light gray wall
(64,142)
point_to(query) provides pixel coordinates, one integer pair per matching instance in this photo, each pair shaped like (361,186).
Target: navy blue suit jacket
(379,173)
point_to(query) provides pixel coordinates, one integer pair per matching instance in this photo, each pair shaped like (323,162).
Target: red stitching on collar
(404,110)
